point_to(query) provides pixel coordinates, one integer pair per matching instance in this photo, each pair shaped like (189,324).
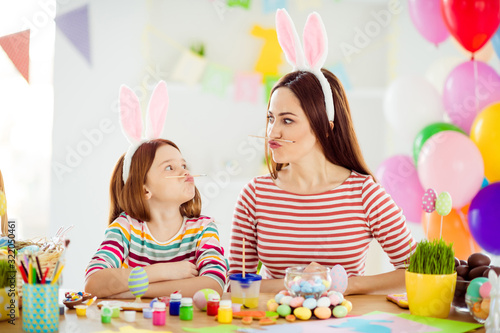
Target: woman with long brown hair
(319,204)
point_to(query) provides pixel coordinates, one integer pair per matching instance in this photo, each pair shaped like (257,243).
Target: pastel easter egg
(3,203)
(297,302)
(290,318)
(295,288)
(200,298)
(334,299)
(324,302)
(278,297)
(339,311)
(443,203)
(322,312)
(286,300)
(138,281)
(429,200)
(309,303)
(284,292)
(302,313)
(272,305)
(485,290)
(284,310)
(474,285)
(347,304)
(339,278)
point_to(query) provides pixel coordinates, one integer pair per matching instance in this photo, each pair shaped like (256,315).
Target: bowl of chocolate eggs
(476,269)
(307,281)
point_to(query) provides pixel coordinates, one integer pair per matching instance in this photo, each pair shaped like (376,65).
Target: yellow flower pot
(430,295)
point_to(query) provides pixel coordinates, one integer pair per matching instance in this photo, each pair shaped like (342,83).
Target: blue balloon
(483,218)
(495,40)
(485,183)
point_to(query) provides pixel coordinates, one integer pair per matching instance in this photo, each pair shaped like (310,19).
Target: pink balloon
(427,18)
(459,99)
(398,176)
(449,161)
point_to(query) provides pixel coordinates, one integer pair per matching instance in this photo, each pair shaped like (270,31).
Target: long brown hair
(129,197)
(339,145)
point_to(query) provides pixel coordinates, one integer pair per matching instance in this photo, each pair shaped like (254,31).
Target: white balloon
(410,104)
(438,71)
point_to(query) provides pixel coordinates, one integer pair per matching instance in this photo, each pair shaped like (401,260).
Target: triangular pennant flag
(17,47)
(75,26)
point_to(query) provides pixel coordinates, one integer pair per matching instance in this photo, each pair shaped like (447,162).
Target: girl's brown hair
(339,144)
(129,197)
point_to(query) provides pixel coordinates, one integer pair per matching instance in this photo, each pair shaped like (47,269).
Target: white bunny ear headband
(131,119)
(313,56)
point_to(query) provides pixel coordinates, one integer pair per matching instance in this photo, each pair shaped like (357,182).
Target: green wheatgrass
(433,257)
(5,273)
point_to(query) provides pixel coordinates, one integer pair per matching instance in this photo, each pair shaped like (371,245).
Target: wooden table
(70,322)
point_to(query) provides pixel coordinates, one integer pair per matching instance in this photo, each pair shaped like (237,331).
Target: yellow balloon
(485,133)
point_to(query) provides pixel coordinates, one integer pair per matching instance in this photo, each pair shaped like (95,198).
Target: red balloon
(471,22)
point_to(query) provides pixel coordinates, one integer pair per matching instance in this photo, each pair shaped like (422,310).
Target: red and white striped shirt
(282,229)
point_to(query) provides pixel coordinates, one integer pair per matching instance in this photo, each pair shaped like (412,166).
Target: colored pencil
(23,274)
(40,272)
(45,275)
(57,274)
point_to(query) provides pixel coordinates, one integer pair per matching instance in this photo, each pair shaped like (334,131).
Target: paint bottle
(225,312)
(186,309)
(159,314)
(213,304)
(175,304)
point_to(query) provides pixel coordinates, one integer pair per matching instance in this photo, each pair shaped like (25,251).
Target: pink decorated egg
(296,302)
(339,279)
(429,200)
(200,298)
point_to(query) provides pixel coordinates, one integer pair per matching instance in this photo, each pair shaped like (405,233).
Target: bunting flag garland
(246,87)
(271,55)
(17,47)
(75,26)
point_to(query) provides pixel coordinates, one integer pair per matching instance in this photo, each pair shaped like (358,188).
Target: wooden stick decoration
(267,138)
(243,258)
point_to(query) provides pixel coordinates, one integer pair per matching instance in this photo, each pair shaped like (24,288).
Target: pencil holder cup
(40,307)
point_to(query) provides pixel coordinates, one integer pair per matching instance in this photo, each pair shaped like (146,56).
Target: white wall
(212,132)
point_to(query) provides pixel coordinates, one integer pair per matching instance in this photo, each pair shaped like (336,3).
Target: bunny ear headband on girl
(131,119)
(313,56)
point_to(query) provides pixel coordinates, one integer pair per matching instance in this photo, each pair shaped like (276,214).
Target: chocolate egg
(463,262)
(463,271)
(457,262)
(478,259)
(476,272)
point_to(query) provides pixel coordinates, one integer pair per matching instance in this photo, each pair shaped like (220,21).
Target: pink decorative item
(429,200)
(451,162)
(427,18)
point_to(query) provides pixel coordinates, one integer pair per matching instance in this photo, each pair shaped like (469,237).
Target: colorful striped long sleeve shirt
(282,229)
(129,243)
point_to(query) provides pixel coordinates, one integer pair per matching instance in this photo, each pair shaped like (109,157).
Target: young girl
(154,219)
(320,204)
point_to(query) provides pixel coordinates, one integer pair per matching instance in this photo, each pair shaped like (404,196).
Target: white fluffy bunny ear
(289,40)
(130,115)
(315,42)
(157,111)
